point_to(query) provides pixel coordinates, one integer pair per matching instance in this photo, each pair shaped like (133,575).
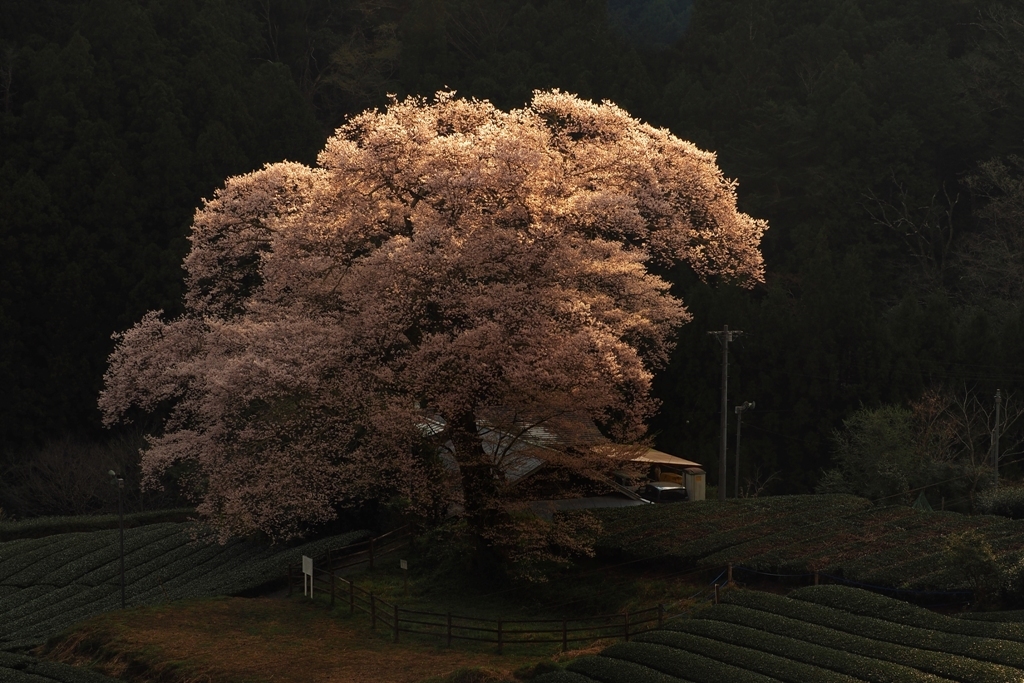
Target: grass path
(257,640)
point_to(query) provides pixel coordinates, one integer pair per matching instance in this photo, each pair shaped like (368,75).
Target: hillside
(840,535)
(47,584)
(826,634)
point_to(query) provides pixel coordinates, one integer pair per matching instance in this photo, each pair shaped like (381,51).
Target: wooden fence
(355,554)
(453,627)
(450,627)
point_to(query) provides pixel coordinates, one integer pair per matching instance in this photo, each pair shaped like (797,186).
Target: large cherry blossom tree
(444,264)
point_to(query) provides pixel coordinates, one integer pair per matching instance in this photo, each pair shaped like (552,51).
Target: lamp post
(120,515)
(747,405)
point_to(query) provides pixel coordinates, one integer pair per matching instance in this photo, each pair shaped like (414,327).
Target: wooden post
(499,636)
(815,577)
(351,598)
(716,593)
(661,615)
(449,629)
(332,588)
(625,625)
(396,623)
(371,553)
(373,612)
(330,567)
(729,579)
(289,581)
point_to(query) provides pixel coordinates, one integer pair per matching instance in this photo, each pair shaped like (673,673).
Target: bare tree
(926,229)
(992,261)
(755,485)
(65,476)
(996,68)
(956,430)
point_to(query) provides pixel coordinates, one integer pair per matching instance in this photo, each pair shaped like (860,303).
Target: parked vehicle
(663,492)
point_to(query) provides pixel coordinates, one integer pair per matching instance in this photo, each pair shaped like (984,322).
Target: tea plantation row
(48,584)
(16,668)
(892,546)
(827,634)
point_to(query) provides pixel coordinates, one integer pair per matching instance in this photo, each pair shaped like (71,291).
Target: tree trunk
(479,474)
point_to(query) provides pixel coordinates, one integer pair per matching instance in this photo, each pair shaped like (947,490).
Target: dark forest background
(881,139)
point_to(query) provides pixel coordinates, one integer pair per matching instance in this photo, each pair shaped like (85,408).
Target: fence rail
(451,627)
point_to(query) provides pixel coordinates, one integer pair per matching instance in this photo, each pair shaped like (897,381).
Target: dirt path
(229,640)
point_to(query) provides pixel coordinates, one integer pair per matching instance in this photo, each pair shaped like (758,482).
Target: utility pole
(995,434)
(747,405)
(724,337)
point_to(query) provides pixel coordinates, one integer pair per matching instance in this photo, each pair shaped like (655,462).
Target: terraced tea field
(50,583)
(844,535)
(820,634)
(16,668)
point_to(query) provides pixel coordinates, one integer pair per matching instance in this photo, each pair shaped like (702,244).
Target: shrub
(563,677)
(1007,501)
(744,648)
(48,526)
(795,659)
(877,638)
(870,604)
(470,675)
(18,667)
(687,665)
(531,671)
(609,670)
(70,577)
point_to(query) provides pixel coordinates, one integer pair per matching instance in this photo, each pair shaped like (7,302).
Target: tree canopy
(445,262)
(880,139)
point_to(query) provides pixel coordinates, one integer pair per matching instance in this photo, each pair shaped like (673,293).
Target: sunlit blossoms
(445,263)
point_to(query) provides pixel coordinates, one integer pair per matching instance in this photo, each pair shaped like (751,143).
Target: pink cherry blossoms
(445,263)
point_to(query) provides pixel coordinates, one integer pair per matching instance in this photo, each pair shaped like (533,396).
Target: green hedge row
(1011,616)
(886,654)
(923,563)
(804,661)
(827,634)
(609,670)
(894,546)
(564,677)
(869,604)
(18,668)
(873,537)
(48,586)
(48,526)
(875,638)
(683,664)
(711,526)
(808,537)
(742,649)
(22,563)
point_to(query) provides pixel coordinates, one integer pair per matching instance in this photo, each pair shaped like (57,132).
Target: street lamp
(120,515)
(747,405)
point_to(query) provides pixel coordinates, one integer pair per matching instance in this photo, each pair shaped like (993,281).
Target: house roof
(660,458)
(518,454)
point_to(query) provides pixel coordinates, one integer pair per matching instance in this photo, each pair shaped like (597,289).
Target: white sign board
(403,564)
(307,570)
